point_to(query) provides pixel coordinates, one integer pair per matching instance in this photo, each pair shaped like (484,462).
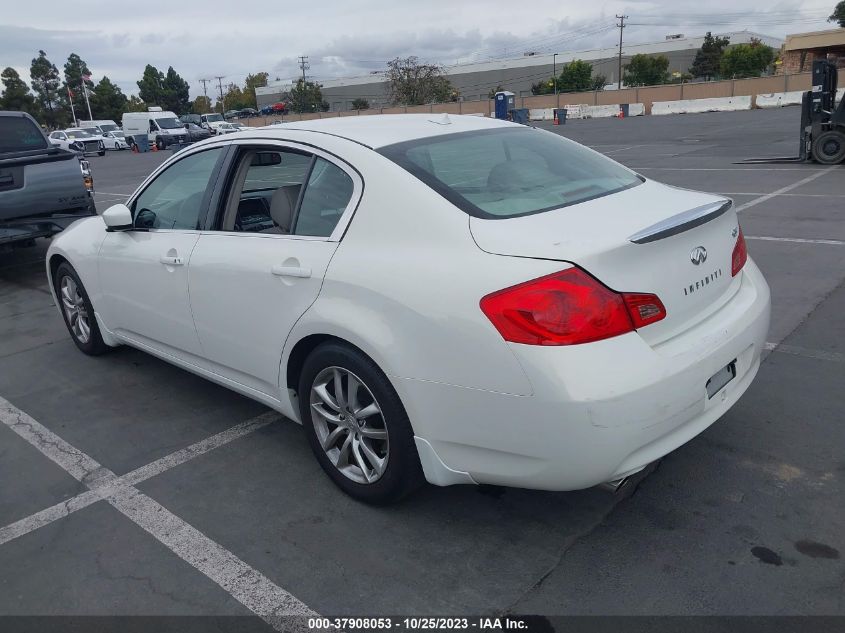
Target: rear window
(19,134)
(511,172)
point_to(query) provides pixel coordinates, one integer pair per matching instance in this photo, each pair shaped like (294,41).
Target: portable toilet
(504,104)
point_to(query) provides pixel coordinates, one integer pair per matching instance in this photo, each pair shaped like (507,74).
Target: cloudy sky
(221,37)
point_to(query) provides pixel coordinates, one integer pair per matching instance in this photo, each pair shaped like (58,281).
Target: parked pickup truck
(43,189)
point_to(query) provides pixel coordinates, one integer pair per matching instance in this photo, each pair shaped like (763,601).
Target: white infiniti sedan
(451,299)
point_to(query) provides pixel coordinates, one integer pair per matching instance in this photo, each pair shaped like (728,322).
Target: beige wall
(645,95)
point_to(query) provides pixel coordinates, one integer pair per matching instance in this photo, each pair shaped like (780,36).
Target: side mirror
(117,218)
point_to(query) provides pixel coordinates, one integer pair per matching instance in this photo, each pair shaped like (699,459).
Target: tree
(175,92)
(202,105)
(746,60)
(250,84)
(15,95)
(838,14)
(44,79)
(150,88)
(234,98)
(645,70)
(108,100)
(708,59)
(411,83)
(360,104)
(575,76)
(134,104)
(306,96)
(498,88)
(74,72)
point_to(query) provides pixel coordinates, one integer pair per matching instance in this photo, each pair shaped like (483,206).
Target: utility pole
(554,79)
(303,66)
(220,85)
(621,26)
(204,83)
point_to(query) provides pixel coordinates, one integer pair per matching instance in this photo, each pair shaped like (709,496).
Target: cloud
(344,39)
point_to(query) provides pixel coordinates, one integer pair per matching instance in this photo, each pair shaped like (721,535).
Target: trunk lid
(643,239)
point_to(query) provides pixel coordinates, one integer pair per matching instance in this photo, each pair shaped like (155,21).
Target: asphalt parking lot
(163,494)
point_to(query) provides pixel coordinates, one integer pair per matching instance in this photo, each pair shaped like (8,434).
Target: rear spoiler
(681,222)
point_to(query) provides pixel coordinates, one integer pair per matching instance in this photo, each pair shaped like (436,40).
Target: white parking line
(819,173)
(836,357)
(248,586)
(797,240)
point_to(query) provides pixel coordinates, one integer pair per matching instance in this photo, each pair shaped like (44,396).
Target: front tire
(356,425)
(159,143)
(77,311)
(829,147)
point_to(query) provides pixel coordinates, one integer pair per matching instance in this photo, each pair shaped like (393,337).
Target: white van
(162,127)
(212,122)
(103,125)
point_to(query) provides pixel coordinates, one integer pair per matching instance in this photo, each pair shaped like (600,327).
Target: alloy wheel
(75,311)
(350,425)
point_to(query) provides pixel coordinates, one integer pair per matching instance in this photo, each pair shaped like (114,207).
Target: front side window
(174,200)
(506,173)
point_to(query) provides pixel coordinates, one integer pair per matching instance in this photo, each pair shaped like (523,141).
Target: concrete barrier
(582,111)
(689,106)
(779,99)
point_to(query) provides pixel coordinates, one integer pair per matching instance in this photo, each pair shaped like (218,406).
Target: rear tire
(77,311)
(159,143)
(370,456)
(829,147)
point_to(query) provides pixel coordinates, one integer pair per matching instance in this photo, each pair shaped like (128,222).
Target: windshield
(505,173)
(213,117)
(20,134)
(91,130)
(118,134)
(108,127)
(77,134)
(169,123)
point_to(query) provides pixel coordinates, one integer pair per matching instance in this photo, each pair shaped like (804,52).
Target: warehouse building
(474,81)
(802,48)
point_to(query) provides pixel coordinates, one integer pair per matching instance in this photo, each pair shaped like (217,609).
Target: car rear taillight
(568,308)
(740,254)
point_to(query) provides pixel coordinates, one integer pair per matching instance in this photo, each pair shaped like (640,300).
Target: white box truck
(162,127)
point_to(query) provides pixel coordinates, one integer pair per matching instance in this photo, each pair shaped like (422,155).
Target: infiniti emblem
(698,255)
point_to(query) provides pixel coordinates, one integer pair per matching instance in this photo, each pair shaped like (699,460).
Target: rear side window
(19,134)
(327,193)
(511,172)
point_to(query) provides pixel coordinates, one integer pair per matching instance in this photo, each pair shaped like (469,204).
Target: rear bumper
(599,411)
(28,228)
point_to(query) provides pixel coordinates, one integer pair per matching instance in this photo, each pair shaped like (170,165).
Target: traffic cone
(554,117)
(621,114)
(155,147)
(134,148)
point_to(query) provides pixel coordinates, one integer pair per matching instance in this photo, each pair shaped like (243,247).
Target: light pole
(554,79)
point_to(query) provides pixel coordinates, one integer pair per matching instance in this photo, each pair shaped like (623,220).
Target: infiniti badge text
(705,281)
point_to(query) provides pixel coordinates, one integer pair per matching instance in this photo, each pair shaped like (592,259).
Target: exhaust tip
(615,485)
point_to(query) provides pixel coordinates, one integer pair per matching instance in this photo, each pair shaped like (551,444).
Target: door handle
(291,271)
(171,261)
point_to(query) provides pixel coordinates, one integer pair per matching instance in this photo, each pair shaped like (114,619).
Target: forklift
(822,132)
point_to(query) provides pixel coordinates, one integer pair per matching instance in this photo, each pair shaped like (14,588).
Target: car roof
(380,130)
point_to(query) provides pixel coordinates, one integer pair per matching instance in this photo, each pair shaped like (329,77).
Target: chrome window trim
(345,218)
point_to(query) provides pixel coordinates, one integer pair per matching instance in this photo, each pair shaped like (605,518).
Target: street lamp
(554,79)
